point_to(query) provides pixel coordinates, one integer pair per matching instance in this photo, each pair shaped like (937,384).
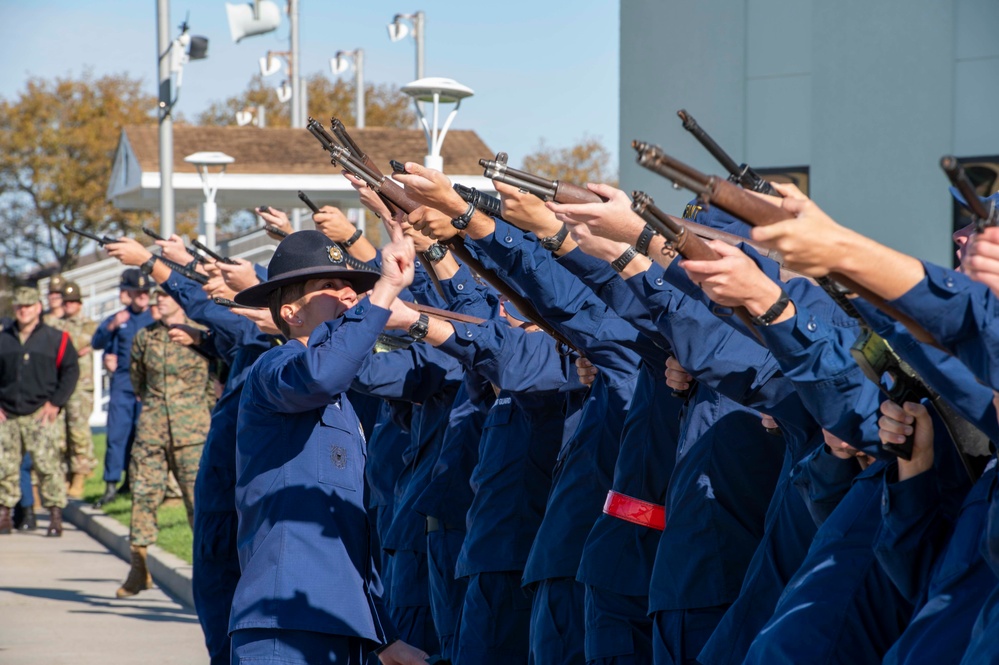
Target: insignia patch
(339,455)
(334,253)
(690,212)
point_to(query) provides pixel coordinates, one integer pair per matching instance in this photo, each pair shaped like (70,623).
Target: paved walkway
(57,606)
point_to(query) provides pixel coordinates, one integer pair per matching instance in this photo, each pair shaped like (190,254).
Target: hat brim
(257,295)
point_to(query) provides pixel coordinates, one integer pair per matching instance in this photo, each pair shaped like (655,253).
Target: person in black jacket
(38,373)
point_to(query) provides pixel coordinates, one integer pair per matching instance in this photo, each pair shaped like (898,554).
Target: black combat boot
(55,522)
(110,492)
(28,522)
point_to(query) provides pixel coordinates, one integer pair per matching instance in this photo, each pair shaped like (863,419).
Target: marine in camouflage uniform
(177,396)
(37,375)
(76,415)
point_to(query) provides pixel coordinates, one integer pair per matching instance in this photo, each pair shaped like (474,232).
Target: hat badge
(334,254)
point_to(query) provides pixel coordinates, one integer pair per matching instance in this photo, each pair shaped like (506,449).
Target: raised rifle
(190,250)
(684,242)
(981,214)
(741,174)
(544,188)
(307,201)
(873,354)
(213,254)
(270,228)
(755,211)
(487,204)
(173,265)
(358,164)
(225,302)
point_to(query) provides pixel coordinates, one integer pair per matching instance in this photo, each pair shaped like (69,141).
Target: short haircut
(283,295)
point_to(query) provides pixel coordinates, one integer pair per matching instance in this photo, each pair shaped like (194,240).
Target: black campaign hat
(303,256)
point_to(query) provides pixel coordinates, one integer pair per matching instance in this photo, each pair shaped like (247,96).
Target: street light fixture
(438,91)
(398,30)
(209,211)
(256,18)
(339,64)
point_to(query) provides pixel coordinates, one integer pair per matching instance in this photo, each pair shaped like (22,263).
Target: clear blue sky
(539,69)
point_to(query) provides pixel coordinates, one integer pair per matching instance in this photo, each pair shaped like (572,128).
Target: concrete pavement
(57,606)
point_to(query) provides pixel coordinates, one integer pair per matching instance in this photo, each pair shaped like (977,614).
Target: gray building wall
(869,94)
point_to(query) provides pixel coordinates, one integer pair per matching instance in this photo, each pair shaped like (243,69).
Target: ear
(289,313)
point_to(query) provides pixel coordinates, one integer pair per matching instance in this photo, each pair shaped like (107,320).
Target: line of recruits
(662,485)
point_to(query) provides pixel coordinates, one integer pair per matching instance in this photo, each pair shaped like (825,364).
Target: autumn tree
(384,105)
(586,161)
(57,142)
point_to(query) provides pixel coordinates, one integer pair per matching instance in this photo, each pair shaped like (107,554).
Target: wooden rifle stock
(685,242)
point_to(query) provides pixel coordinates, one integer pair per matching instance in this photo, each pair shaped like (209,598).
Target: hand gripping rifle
(754,211)
(981,214)
(682,241)
(874,355)
(173,265)
(190,250)
(394,196)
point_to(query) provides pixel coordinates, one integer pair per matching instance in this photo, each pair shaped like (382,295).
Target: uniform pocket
(339,452)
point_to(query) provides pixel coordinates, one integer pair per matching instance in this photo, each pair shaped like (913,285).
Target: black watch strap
(461,221)
(352,239)
(420,329)
(621,262)
(775,310)
(554,243)
(147,267)
(642,246)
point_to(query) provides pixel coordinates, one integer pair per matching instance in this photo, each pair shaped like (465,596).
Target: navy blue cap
(303,256)
(133,280)
(512,310)
(985,199)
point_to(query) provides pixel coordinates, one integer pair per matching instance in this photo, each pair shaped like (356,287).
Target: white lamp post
(339,64)
(398,30)
(209,211)
(437,91)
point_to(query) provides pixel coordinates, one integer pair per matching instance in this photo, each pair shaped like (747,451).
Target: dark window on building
(797,175)
(984,175)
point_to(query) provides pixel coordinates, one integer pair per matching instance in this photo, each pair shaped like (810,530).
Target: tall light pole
(171,58)
(397,30)
(165,108)
(339,64)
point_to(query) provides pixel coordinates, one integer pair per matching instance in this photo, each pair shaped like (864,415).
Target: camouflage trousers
(46,443)
(79,438)
(148,471)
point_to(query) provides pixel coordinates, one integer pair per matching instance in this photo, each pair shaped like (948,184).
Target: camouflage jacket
(173,384)
(81,330)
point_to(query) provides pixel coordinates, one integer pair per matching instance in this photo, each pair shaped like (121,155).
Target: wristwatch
(147,267)
(642,245)
(435,252)
(420,329)
(775,310)
(461,221)
(352,239)
(621,262)
(554,243)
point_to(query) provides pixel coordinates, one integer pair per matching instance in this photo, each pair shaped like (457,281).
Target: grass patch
(175,533)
